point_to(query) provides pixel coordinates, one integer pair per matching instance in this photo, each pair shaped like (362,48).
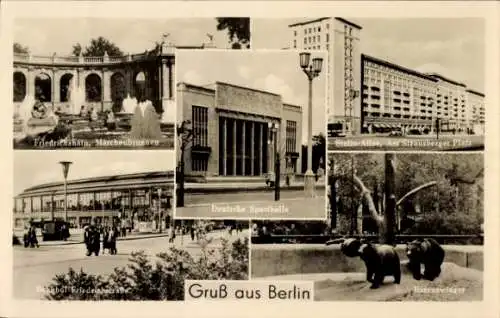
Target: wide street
(407,143)
(256,205)
(35,268)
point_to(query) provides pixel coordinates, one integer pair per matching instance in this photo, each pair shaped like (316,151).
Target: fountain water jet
(25,111)
(128,105)
(76,97)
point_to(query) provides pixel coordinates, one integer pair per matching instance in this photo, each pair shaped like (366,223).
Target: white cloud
(277,85)
(193,77)
(435,68)
(120,167)
(244,71)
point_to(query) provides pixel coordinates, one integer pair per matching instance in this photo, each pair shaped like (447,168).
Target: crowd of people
(92,239)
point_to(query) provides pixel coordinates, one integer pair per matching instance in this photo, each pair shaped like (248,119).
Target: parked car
(396,132)
(55,231)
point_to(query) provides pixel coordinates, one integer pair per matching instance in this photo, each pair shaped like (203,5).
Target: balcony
(76,60)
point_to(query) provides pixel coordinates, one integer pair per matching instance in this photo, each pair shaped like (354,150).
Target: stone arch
(65,86)
(43,87)
(19,86)
(93,88)
(140,84)
(118,89)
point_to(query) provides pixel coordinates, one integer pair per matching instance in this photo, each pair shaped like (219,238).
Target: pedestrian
(123,230)
(192,233)
(112,234)
(94,241)
(172,234)
(86,238)
(105,240)
(32,237)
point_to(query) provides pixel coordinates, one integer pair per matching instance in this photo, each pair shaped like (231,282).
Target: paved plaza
(35,268)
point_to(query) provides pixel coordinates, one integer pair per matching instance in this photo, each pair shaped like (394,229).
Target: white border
(155,9)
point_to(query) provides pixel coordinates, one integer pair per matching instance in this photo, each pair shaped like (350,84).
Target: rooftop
(325,18)
(110,182)
(398,67)
(441,77)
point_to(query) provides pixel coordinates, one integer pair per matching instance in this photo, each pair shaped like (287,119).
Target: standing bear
(380,260)
(428,252)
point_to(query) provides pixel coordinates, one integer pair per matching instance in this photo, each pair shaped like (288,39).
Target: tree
(185,134)
(20,49)
(98,47)
(238,31)
(162,278)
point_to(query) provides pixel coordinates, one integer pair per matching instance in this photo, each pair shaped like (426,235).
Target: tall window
(200,125)
(200,136)
(291,136)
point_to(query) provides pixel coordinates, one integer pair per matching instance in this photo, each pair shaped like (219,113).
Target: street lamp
(273,127)
(312,70)
(65,166)
(160,221)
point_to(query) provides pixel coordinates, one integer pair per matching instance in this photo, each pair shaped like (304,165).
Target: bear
(425,251)
(380,260)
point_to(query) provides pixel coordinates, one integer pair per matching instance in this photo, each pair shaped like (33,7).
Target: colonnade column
(164,80)
(106,88)
(234,147)
(243,146)
(252,148)
(57,88)
(160,85)
(53,88)
(224,145)
(128,82)
(261,135)
(29,80)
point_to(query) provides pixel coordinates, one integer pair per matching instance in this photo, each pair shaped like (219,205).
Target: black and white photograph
(251,134)
(401,227)
(105,83)
(99,226)
(395,84)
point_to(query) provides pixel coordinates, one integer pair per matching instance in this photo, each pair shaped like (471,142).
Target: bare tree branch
(413,191)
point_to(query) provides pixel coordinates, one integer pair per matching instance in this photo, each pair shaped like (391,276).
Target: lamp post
(312,70)
(274,129)
(160,218)
(65,166)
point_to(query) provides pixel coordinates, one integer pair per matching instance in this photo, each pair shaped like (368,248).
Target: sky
(453,47)
(274,71)
(86,164)
(46,36)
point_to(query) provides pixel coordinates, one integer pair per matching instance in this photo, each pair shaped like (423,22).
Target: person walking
(94,244)
(105,240)
(192,230)
(112,235)
(32,237)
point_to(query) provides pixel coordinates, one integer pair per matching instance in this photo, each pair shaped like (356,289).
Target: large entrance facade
(243,147)
(237,131)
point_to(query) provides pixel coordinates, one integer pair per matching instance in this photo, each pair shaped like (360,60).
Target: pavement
(35,268)
(246,185)
(255,205)
(413,142)
(77,238)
